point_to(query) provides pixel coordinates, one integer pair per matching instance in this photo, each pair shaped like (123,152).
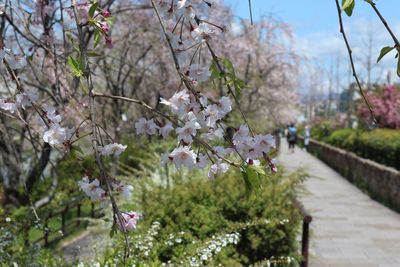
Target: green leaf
(113,231)
(97,37)
(110,20)
(251,176)
(239,85)
(348,6)
(215,73)
(92,53)
(384,51)
(92,9)
(75,67)
(229,66)
(398,66)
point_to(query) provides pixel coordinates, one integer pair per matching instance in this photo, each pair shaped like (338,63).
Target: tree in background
(386,104)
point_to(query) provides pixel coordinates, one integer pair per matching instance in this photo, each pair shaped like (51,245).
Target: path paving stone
(348,228)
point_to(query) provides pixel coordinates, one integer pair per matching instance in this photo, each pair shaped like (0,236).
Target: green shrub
(202,210)
(380,145)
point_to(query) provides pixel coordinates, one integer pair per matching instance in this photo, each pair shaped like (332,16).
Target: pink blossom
(128,221)
(104,27)
(105,13)
(109,42)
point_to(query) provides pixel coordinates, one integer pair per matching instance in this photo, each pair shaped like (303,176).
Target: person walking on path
(292,137)
(307,135)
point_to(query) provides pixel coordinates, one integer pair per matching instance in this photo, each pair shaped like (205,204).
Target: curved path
(349,229)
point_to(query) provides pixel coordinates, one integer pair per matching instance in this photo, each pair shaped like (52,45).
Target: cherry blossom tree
(76,74)
(386,105)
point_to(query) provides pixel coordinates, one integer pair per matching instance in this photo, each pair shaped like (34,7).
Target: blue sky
(315,28)
(307,16)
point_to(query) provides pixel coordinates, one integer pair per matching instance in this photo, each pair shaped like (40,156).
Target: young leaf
(97,36)
(384,51)
(92,9)
(348,6)
(398,66)
(75,67)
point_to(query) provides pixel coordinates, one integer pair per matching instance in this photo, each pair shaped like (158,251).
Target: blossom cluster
(187,33)
(94,190)
(202,120)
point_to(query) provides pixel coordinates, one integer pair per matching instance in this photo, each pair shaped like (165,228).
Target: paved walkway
(348,229)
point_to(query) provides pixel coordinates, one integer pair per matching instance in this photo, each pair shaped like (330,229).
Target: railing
(65,227)
(305,236)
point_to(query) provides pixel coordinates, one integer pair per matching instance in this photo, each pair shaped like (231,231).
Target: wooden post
(92,212)
(63,215)
(46,230)
(78,214)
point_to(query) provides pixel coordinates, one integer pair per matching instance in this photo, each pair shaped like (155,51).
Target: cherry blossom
(56,135)
(15,62)
(166,129)
(199,73)
(187,132)
(7,106)
(123,188)
(183,156)
(26,99)
(128,221)
(178,102)
(92,189)
(50,113)
(217,168)
(146,126)
(264,143)
(202,32)
(213,134)
(112,149)
(201,161)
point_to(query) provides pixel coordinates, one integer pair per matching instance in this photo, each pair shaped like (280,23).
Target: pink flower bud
(109,42)
(104,27)
(105,13)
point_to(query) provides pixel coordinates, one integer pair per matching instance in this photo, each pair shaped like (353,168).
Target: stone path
(348,229)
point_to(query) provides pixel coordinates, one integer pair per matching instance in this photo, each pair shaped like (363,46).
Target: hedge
(380,145)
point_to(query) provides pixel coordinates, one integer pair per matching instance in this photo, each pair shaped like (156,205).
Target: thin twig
(395,40)
(251,13)
(339,11)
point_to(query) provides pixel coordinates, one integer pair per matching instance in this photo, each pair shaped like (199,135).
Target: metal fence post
(305,240)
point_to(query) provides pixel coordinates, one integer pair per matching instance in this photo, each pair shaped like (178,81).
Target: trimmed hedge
(380,145)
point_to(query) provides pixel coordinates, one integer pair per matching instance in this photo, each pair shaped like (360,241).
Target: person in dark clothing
(292,137)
